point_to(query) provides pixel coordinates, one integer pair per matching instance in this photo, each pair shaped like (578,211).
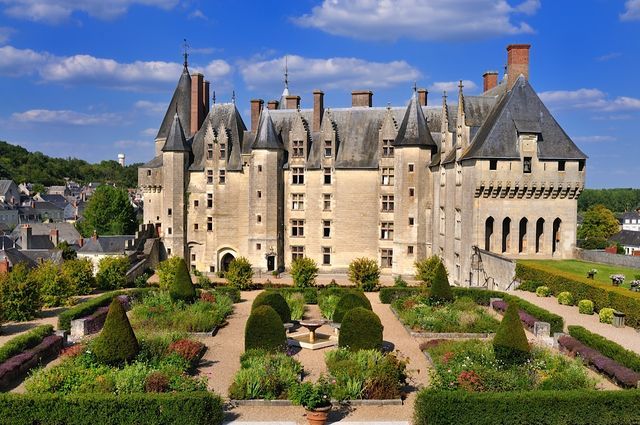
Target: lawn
(580,269)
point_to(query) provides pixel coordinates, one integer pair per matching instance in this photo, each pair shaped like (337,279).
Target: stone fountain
(312,340)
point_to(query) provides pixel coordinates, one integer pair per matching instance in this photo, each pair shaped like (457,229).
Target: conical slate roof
(266,135)
(414,130)
(180,103)
(176,142)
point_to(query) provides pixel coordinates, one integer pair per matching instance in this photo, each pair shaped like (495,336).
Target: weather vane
(185,53)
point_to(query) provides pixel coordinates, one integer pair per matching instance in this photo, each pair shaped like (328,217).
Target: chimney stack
(517,63)
(81,242)
(292,102)
(362,98)
(54,235)
(256,108)
(490,80)
(25,236)
(197,102)
(205,99)
(422,96)
(318,109)
(273,104)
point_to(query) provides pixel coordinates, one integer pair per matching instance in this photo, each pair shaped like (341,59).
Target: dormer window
(223,151)
(387,148)
(210,151)
(298,149)
(328,151)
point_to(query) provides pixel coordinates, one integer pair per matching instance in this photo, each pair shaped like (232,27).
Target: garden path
(628,337)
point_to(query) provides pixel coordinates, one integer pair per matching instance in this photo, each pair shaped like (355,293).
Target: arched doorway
(539,235)
(506,235)
(556,235)
(522,237)
(225,261)
(488,233)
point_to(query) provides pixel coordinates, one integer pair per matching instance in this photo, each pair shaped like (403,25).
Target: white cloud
(327,74)
(198,14)
(47,116)
(419,19)
(452,86)
(608,56)
(5,33)
(87,69)
(128,144)
(149,132)
(593,99)
(631,11)
(151,108)
(594,139)
(57,11)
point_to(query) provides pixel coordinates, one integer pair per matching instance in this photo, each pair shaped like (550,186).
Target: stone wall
(598,256)
(499,271)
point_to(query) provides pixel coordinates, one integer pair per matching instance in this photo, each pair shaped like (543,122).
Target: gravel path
(628,337)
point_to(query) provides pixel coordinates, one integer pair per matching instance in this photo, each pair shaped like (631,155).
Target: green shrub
(361,329)
(182,287)
(565,298)
(304,272)
(606,347)
(440,289)
(606,315)
(349,301)
(543,291)
(399,282)
(166,271)
(194,408)
(112,273)
(55,290)
(240,273)
(116,343)
(327,305)
(426,269)
(79,273)
(19,295)
(276,301)
(364,273)
(264,330)
(264,375)
(585,307)
(24,341)
(510,343)
(230,291)
(389,294)
(295,301)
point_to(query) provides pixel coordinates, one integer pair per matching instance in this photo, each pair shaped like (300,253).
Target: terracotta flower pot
(318,416)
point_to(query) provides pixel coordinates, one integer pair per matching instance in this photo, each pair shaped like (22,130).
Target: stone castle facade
(493,172)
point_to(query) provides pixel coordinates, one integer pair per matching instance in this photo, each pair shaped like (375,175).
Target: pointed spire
(176,142)
(285,92)
(213,98)
(185,53)
(414,130)
(460,100)
(266,134)
(233,97)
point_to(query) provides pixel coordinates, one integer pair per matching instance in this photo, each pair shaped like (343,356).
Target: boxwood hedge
(607,347)
(25,341)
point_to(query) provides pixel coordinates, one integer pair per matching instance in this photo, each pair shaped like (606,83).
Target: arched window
(557,223)
(539,235)
(522,235)
(488,233)
(506,235)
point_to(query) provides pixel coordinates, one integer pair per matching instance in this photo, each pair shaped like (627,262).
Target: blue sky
(92,78)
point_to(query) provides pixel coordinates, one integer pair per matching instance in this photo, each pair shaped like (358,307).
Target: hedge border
(578,407)
(25,341)
(606,347)
(193,408)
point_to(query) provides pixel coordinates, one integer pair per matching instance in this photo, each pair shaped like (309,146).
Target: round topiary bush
(565,298)
(264,330)
(350,301)
(606,315)
(116,343)
(240,273)
(181,288)
(440,289)
(510,343)
(585,307)
(276,301)
(543,291)
(361,329)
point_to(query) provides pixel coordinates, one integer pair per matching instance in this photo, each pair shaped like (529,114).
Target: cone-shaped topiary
(510,344)
(276,301)
(361,329)
(264,330)
(440,289)
(116,343)
(181,287)
(349,301)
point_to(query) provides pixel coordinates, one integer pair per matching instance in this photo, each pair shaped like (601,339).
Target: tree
(79,273)
(167,270)
(240,273)
(55,290)
(304,272)
(112,272)
(599,223)
(365,273)
(68,253)
(19,294)
(108,212)
(426,269)
(440,289)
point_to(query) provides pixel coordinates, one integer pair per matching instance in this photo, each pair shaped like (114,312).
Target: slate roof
(414,131)
(180,104)
(627,238)
(176,142)
(66,232)
(105,245)
(4,186)
(154,163)
(57,200)
(266,136)
(631,215)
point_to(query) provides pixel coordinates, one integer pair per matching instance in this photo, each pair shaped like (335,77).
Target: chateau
(491,173)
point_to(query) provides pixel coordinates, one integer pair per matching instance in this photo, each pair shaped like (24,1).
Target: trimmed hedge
(193,408)
(602,295)
(181,287)
(116,343)
(350,301)
(264,330)
(230,291)
(607,347)
(361,329)
(510,344)
(310,294)
(276,301)
(580,407)
(90,306)
(24,342)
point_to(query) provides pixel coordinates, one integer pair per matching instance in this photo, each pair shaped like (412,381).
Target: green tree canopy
(599,223)
(108,212)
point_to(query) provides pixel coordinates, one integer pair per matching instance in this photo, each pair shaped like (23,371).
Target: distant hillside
(20,165)
(617,200)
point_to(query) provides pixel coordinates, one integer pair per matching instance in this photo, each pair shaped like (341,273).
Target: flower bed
(607,347)
(461,316)
(527,319)
(16,367)
(24,341)
(471,366)
(157,311)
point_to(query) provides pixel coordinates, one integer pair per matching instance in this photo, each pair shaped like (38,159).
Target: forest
(617,200)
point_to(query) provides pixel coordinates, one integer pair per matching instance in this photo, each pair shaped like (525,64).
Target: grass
(581,268)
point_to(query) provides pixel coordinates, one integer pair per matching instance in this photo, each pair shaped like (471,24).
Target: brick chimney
(197,102)
(292,102)
(4,265)
(517,62)
(25,236)
(256,108)
(205,99)
(362,98)
(273,104)
(489,80)
(54,235)
(318,109)
(81,242)
(422,96)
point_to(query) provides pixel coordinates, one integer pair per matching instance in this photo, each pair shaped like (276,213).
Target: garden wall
(499,271)
(598,256)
